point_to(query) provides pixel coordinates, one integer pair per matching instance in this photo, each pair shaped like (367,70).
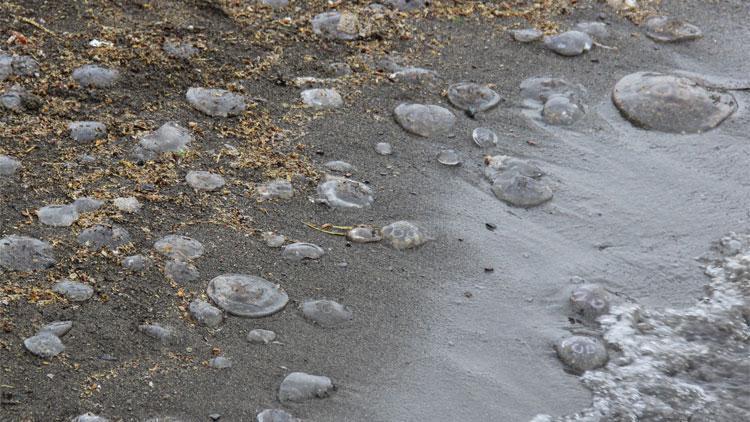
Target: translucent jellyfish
(205,313)
(129,204)
(204,180)
(181,271)
(383,148)
(21,253)
(473,97)
(364,234)
(338,26)
(667,29)
(596,30)
(300,251)
(216,102)
(448,157)
(274,3)
(220,362)
(87,204)
(326,313)
(484,137)
(89,417)
(100,236)
(526,35)
(582,353)
(8,165)
(275,189)
(16,98)
(570,43)
(87,131)
(424,120)
(57,215)
(537,91)
(276,415)
(247,296)
(339,166)
(260,336)
(561,111)
(58,328)
(407,5)
(414,75)
(589,301)
(499,165)
(73,290)
(521,191)
(404,235)
(669,103)
(178,49)
(95,76)
(170,137)
(45,345)
(179,247)
(322,98)
(339,192)
(273,240)
(164,333)
(135,262)
(299,386)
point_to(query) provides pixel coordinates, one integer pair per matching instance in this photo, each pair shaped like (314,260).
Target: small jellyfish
(473,97)
(299,386)
(484,137)
(570,43)
(403,235)
(561,111)
(301,251)
(278,188)
(667,29)
(246,295)
(179,247)
(326,313)
(448,157)
(501,165)
(364,234)
(582,353)
(521,191)
(339,192)
(589,301)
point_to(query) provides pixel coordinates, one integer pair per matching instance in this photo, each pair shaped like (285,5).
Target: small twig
(36,25)
(314,227)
